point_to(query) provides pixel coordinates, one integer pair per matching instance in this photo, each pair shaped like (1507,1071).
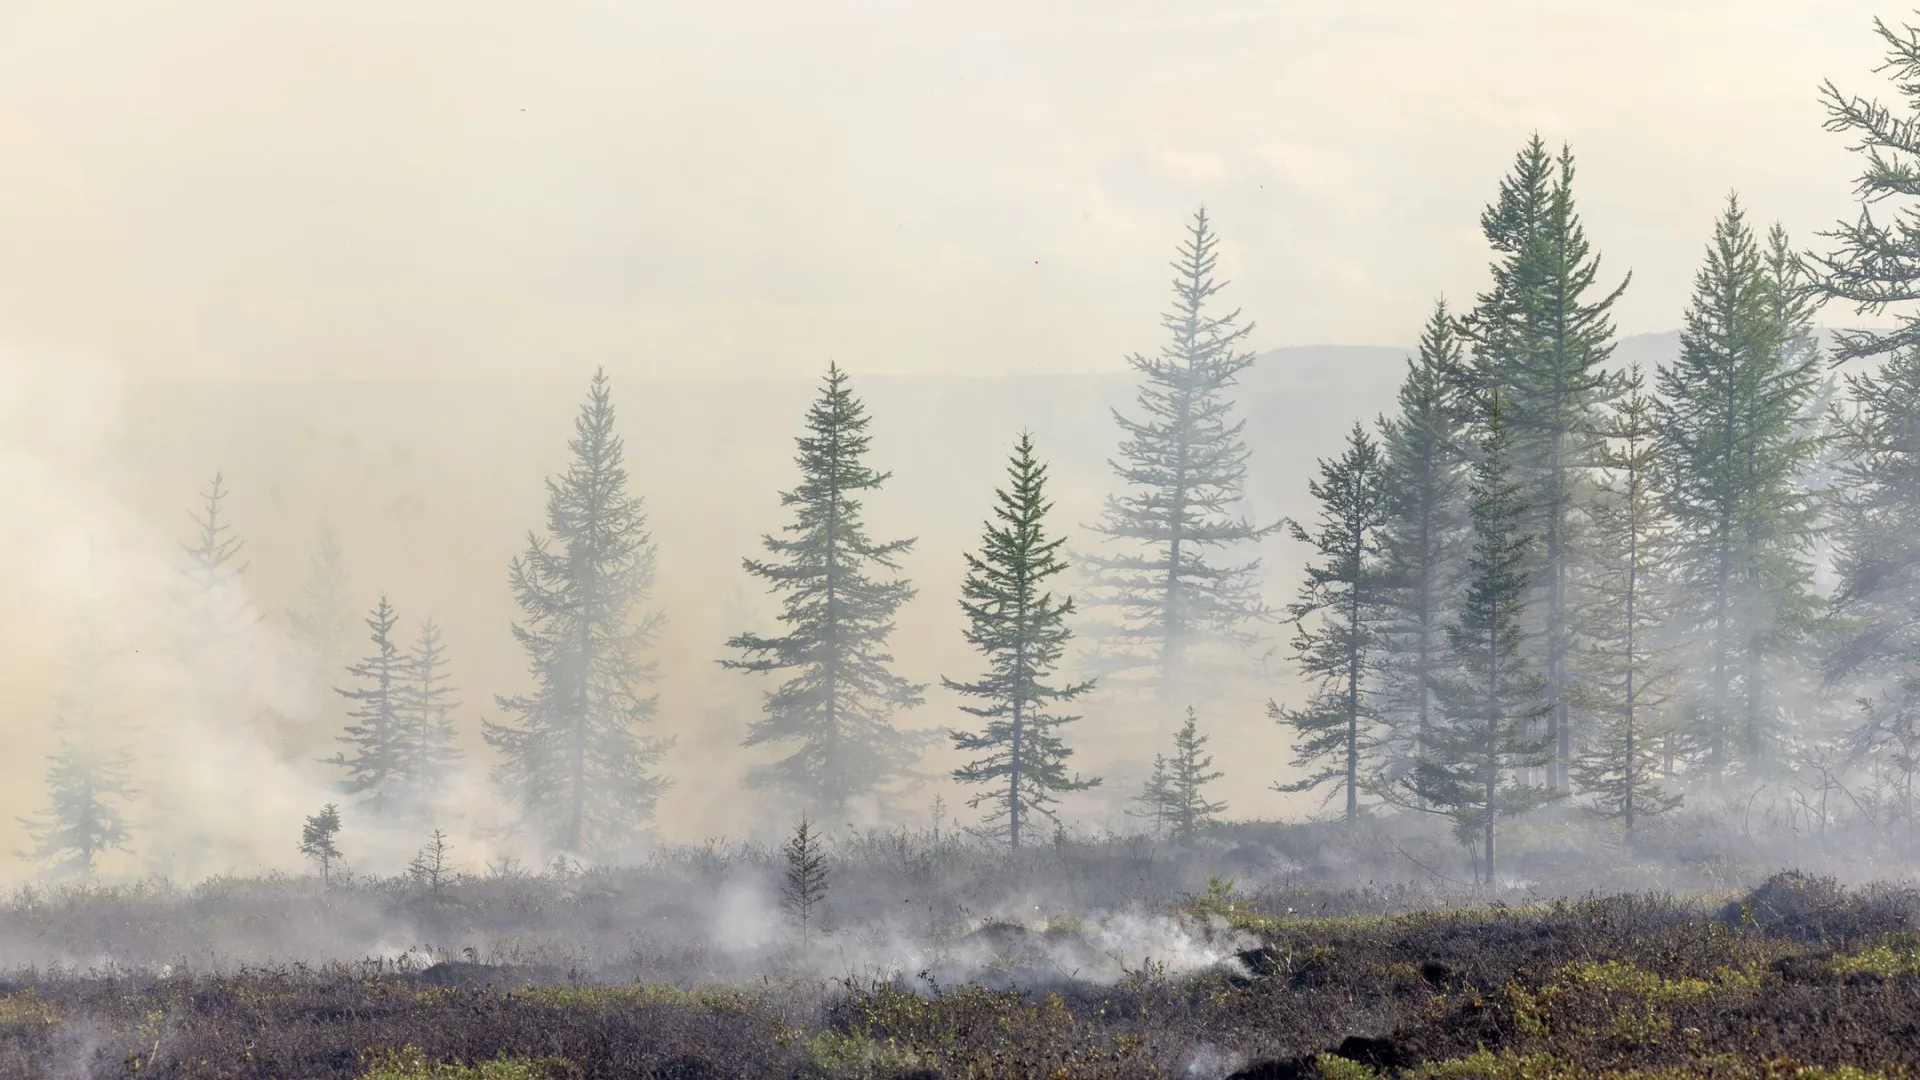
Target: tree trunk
(1353,688)
(1013,782)
(1633,576)
(583,664)
(833,788)
(1492,758)
(1172,621)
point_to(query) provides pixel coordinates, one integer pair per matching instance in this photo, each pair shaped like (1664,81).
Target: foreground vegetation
(1799,977)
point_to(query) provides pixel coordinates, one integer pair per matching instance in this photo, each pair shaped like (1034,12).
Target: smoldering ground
(898,904)
(1464,990)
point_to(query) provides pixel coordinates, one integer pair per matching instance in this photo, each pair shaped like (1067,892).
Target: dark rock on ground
(1373,1053)
(1263,962)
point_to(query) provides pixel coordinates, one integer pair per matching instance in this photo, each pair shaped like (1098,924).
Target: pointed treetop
(215,548)
(1522,199)
(1200,342)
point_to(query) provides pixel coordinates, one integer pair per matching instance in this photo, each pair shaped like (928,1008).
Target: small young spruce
(805,888)
(316,839)
(1175,795)
(431,867)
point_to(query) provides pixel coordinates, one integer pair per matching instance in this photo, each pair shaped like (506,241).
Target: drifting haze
(363,258)
(365,189)
(432,486)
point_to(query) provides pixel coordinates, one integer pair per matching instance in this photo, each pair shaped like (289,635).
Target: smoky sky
(309,191)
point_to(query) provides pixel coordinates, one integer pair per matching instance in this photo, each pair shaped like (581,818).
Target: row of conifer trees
(1546,576)
(1509,577)
(574,752)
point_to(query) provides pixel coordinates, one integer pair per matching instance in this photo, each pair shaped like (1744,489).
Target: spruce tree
(87,786)
(1542,336)
(574,757)
(1734,455)
(215,647)
(1786,442)
(1424,541)
(838,702)
(1726,330)
(316,839)
(1186,809)
(218,652)
(214,573)
(1184,465)
(325,624)
(1337,731)
(1629,672)
(433,866)
(1875,267)
(424,709)
(1021,629)
(375,761)
(1474,770)
(88,781)
(804,887)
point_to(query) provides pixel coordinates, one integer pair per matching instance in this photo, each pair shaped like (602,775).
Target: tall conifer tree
(1022,631)
(1337,732)
(88,777)
(1542,336)
(1474,770)
(1734,453)
(576,758)
(1183,466)
(838,702)
(1424,547)
(1629,672)
(325,623)
(1875,268)
(216,646)
(84,817)
(425,702)
(1786,444)
(375,758)
(217,649)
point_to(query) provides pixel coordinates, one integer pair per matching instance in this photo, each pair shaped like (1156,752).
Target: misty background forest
(1230,697)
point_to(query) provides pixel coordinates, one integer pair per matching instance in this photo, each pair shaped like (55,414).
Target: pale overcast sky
(360,188)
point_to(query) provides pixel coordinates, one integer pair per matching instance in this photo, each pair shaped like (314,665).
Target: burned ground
(1798,977)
